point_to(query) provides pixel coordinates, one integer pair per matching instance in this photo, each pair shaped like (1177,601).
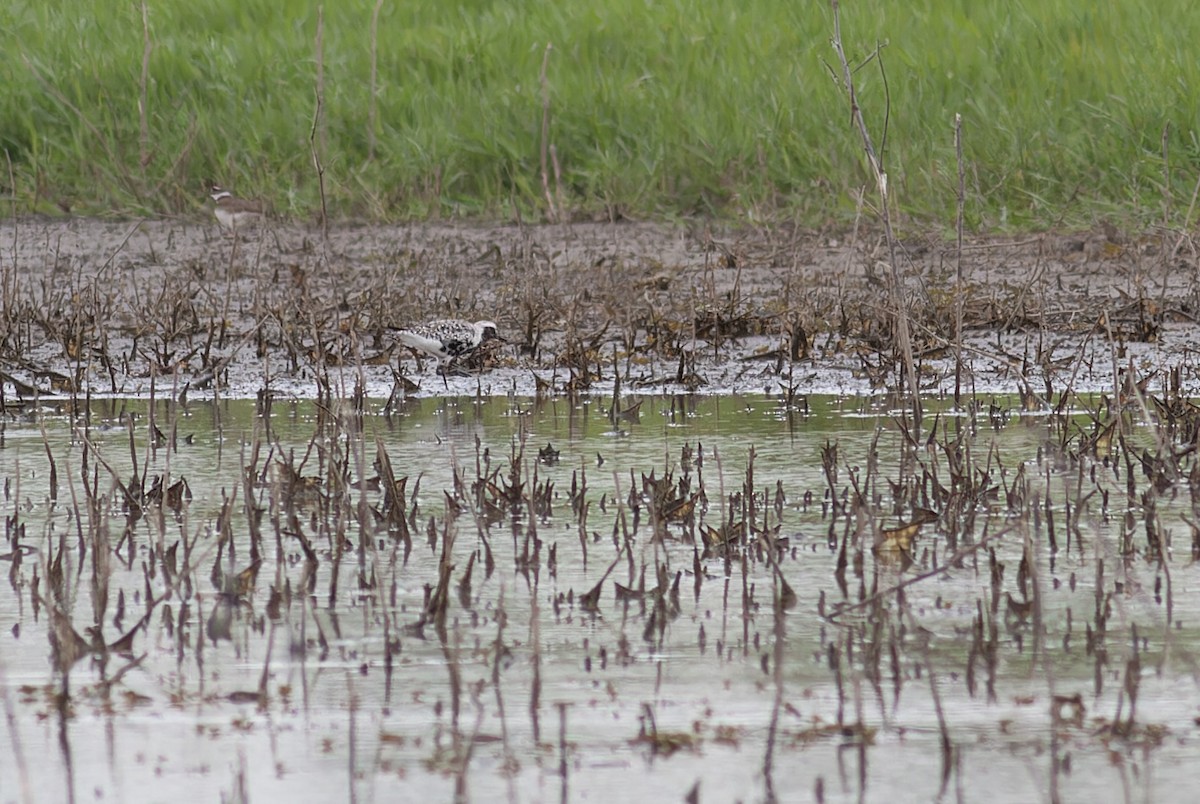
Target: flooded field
(731,598)
(704,526)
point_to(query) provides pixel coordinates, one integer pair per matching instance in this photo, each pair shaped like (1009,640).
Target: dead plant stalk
(318,126)
(904,341)
(959,301)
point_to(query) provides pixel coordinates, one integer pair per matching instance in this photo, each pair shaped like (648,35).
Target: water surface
(313,639)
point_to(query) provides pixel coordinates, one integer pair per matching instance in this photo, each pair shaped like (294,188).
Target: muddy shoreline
(135,308)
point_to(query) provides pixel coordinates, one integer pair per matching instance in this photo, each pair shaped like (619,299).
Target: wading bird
(447,339)
(232,211)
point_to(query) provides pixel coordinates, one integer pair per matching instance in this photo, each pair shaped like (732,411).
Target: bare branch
(900,303)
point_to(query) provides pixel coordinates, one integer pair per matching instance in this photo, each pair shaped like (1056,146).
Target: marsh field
(683,535)
(788,482)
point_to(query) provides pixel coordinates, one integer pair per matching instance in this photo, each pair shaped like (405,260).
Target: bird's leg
(454,368)
(392,396)
(441,369)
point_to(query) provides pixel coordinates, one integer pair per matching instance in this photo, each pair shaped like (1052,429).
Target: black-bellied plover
(232,211)
(447,339)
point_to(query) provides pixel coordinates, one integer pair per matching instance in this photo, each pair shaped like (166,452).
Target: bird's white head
(487,331)
(218,192)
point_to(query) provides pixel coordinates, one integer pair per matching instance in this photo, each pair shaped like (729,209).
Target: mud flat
(127,308)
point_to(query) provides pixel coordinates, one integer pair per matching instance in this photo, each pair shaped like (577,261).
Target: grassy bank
(680,108)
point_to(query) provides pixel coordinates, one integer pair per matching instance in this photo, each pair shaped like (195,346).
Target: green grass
(658,109)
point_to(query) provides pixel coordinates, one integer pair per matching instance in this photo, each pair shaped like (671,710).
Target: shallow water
(645,696)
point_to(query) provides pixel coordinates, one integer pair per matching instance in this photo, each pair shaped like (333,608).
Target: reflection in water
(472,599)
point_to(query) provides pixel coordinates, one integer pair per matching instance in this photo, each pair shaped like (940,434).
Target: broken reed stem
(372,101)
(317,124)
(551,208)
(53,466)
(904,341)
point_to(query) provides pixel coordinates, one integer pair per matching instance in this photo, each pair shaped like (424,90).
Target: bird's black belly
(457,348)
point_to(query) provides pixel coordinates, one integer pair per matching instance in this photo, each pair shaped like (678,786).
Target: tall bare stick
(371,100)
(904,340)
(958,251)
(317,122)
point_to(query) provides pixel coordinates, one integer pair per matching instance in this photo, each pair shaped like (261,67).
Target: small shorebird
(447,339)
(232,211)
